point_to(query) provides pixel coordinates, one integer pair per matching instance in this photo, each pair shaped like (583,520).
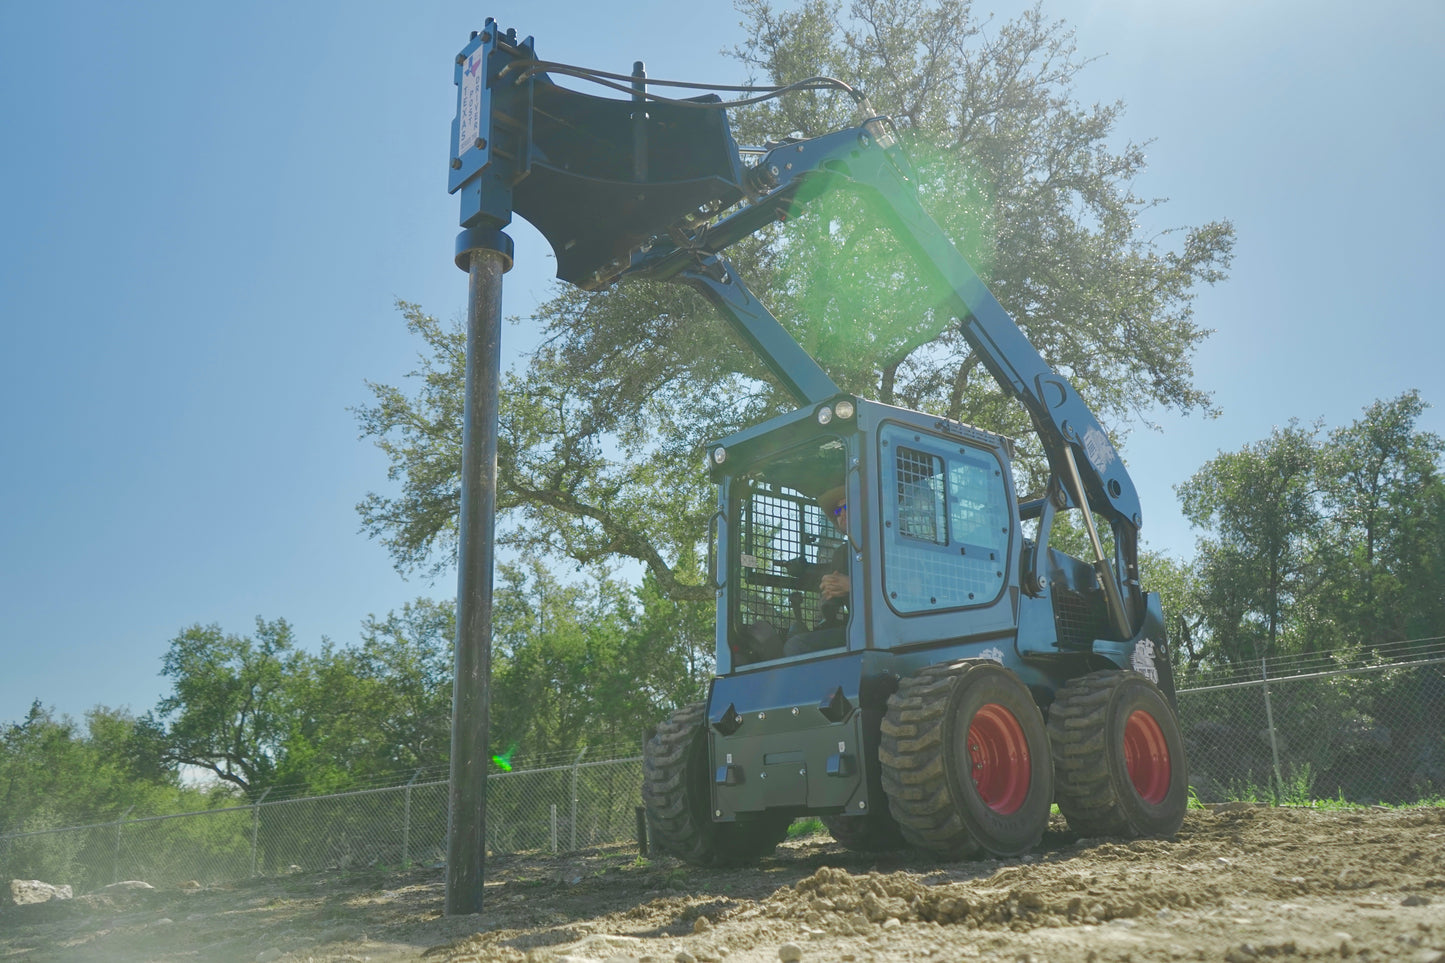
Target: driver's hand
(834,585)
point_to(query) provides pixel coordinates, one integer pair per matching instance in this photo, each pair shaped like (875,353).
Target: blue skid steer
(900,650)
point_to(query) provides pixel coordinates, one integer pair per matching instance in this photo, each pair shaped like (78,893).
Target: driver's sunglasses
(840,510)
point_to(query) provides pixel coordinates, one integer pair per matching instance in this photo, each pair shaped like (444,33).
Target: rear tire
(965,761)
(1119,763)
(677,794)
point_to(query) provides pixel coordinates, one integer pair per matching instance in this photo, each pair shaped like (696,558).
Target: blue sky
(209,212)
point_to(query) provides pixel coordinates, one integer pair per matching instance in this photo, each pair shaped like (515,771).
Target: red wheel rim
(998,755)
(1146,755)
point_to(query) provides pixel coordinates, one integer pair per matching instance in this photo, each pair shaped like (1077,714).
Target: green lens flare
(504,761)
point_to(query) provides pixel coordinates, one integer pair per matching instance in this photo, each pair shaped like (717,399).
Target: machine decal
(1097,447)
(471,106)
(995,653)
(1143,661)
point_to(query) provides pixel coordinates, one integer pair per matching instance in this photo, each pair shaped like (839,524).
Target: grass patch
(1299,791)
(808,826)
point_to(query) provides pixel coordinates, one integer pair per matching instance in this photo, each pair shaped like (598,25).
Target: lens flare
(504,761)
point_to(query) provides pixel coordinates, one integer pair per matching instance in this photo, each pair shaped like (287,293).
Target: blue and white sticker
(1101,453)
(470,115)
(995,654)
(1143,661)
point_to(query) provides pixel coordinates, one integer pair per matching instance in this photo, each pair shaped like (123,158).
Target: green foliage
(1261,504)
(601,434)
(1317,544)
(381,705)
(227,711)
(44,855)
(1177,587)
(55,772)
(810,826)
(1382,492)
(590,661)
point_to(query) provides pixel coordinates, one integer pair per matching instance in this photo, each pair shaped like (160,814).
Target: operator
(833,587)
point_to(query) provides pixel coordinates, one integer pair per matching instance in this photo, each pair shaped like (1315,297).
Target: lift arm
(795,369)
(868,161)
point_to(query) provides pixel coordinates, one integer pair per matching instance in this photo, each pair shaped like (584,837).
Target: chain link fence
(554,809)
(1306,728)
(1363,734)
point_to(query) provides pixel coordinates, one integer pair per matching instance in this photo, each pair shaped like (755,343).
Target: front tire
(1119,761)
(677,794)
(965,761)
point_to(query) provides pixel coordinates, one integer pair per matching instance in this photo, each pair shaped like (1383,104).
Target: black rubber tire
(929,760)
(876,832)
(1098,722)
(676,793)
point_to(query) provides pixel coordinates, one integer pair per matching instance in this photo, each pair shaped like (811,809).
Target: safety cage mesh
(785,542)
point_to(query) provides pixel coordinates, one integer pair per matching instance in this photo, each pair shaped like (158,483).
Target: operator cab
(886,530)
(790,516)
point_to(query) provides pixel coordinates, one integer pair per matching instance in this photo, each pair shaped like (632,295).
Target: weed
(809,826)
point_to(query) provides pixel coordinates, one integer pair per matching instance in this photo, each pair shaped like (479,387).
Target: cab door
(946,512)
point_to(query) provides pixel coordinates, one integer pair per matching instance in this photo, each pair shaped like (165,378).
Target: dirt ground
(1238,883)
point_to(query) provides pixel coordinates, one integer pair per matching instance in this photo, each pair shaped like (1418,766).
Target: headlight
(843,409)
(719,455)
(825,415)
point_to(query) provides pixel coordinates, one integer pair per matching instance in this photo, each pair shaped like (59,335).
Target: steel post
(1273,740)
(118,823)
(641,813)
(575,763)
(406,822)
(467,811)
(256,828)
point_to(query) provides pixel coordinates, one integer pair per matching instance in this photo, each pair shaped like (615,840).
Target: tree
(602,434)
(40,758)
(554,644)
(379,706)
(1178,589)
(1380,478)
(1257,567)
(227,707)
(54,772)
(589,662)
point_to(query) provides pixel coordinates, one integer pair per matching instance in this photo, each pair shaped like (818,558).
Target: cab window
(946,523)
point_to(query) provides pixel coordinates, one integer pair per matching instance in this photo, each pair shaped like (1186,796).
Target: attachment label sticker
(469,128)
(1144,661)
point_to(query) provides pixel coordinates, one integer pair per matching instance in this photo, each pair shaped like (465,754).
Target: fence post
(554,829)
(575,763)
(406,822)
(1273,741)
(640,813)
(115,868)
(256,825)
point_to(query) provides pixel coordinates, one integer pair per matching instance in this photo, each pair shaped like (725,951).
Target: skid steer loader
(900,649)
